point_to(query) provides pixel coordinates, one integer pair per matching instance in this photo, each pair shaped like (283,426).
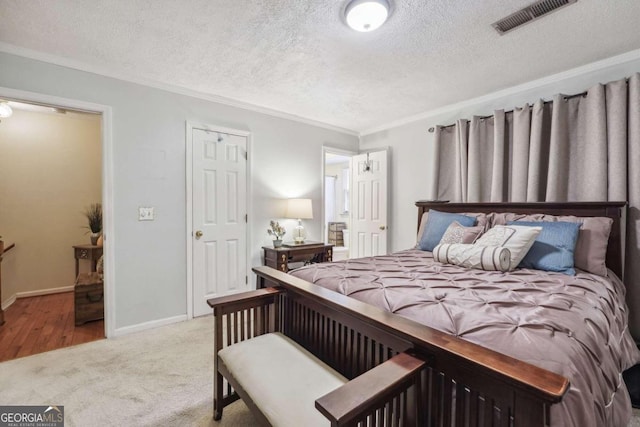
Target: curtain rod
(566,98)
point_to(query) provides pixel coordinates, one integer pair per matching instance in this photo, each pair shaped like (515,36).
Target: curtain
(584,148)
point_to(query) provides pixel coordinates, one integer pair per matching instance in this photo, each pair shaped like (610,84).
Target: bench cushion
(282,378)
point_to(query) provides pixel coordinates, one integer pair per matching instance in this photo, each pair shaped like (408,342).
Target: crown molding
(106,72)
(513,90)
(534,84)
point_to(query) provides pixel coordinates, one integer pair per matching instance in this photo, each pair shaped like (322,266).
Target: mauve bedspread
(575,326)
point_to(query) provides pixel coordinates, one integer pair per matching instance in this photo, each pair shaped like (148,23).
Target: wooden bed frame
(464,384)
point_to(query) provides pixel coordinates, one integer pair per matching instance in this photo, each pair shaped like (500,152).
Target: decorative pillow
(423,222)
(437,224)
(591,250)
(488,258)
(456,233)
(482,220)
(518,239)
(553,248)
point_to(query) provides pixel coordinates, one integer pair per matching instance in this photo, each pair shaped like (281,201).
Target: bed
(495,357)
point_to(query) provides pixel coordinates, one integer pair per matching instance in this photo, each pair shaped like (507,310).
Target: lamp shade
(299,209)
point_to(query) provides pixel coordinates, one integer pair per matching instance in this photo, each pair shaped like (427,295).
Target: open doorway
(336,201)
(50,179)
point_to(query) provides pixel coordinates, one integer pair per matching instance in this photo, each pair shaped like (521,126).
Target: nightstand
(279,258)
(89,252)
(88,298)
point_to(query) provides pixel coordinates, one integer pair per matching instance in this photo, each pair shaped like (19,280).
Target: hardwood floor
(38,324)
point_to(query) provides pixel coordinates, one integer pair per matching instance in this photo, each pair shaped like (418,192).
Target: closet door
(219,216)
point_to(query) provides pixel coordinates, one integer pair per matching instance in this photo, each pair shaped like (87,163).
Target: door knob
(382,227)
(199,234)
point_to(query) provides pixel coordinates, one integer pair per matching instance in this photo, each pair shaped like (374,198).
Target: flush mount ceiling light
(366,15)
(5,110)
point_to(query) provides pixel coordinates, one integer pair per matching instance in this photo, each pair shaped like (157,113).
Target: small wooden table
(89,252)
(88,298)
(279,258)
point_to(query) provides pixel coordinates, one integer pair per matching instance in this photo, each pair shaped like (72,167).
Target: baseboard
(49,291)
(125,330)
(7,303)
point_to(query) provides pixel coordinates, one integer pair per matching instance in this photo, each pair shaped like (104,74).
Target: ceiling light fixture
(366,15)
(5,110)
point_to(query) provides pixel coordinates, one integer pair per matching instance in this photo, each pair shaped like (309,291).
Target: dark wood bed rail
(465,383)
(613,210)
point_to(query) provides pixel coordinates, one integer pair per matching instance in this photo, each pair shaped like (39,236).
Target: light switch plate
(145,213)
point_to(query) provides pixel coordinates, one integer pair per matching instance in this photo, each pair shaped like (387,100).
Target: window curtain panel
(584,148)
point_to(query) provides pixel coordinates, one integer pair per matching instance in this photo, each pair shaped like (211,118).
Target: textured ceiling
(298,57)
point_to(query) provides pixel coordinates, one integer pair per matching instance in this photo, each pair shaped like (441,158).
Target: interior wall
(412,163)
(149,164)
(50,171)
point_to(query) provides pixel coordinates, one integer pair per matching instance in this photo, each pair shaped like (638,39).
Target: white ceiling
(298,57)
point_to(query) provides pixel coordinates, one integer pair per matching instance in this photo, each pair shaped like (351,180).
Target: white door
(369,204)
(219,216)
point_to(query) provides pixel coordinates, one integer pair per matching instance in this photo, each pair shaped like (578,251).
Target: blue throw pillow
(554,247)
(437,224)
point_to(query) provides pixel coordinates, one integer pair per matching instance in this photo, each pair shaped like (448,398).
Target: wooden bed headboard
(613,210)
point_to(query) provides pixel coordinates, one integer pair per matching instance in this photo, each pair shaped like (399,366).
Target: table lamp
(299,209)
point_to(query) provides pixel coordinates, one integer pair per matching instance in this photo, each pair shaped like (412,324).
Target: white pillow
(517,238)
(474,256)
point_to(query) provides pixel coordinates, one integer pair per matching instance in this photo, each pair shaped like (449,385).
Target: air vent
(529,14)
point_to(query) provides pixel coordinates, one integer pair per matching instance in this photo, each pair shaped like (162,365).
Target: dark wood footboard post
(217,380)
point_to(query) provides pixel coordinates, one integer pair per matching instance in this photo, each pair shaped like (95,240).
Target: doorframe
(327,149)
(107,187)
(190,125)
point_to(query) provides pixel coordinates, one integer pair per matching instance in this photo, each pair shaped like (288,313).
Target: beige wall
(50,170)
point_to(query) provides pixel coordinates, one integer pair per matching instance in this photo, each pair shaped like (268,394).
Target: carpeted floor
(160,377)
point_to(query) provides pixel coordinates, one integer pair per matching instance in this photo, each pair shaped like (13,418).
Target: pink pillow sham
(457,233)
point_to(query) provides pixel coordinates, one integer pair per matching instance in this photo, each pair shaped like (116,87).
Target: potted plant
(277,231)
(94,219)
